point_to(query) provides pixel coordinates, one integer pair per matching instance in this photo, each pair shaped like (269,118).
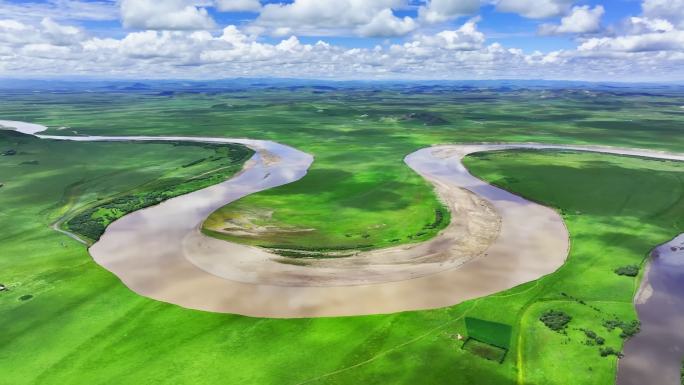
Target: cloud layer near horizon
(182,38)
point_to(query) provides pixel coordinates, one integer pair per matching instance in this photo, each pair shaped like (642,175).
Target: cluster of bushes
(608,351)
(92,222)
(233,153)
(593,338)
(629,270)
(555,320)
(86,225)
(628,328)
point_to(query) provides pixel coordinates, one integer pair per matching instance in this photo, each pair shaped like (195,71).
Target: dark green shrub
(593,338)
(608,351)
(628,329)
(629,270)
(555,320)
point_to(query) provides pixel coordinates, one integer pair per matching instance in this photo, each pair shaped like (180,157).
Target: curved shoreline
(166,247)
(654,356)
(467,236)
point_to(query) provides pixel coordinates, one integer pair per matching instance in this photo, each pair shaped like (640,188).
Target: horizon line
(87,78)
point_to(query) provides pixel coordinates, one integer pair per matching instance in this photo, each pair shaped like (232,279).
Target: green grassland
(81,325)
(355,215)
(87,215)
(616,209)
(358,192)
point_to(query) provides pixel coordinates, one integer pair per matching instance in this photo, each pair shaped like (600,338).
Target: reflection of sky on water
(672,258)
(654,355)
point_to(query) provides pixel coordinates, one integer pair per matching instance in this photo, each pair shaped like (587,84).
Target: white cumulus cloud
(647,42)
(660,30)
(385,24)
(581,20)
(46,32)
(535,9)
(52,47)
(465,38)
(437,11)
(638,25)
(61,34)
(670,10)
(331,17)
(60,10)
(238,5)
(164,15)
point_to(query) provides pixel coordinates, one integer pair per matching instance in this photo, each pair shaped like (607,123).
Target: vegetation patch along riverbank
(225,160)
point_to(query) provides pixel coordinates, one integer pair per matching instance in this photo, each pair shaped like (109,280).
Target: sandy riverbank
(496,241)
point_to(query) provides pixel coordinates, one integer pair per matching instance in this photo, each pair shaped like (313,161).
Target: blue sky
(507,28)
(565,39)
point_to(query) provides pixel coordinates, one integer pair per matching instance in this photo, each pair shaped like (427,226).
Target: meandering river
(159,252)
